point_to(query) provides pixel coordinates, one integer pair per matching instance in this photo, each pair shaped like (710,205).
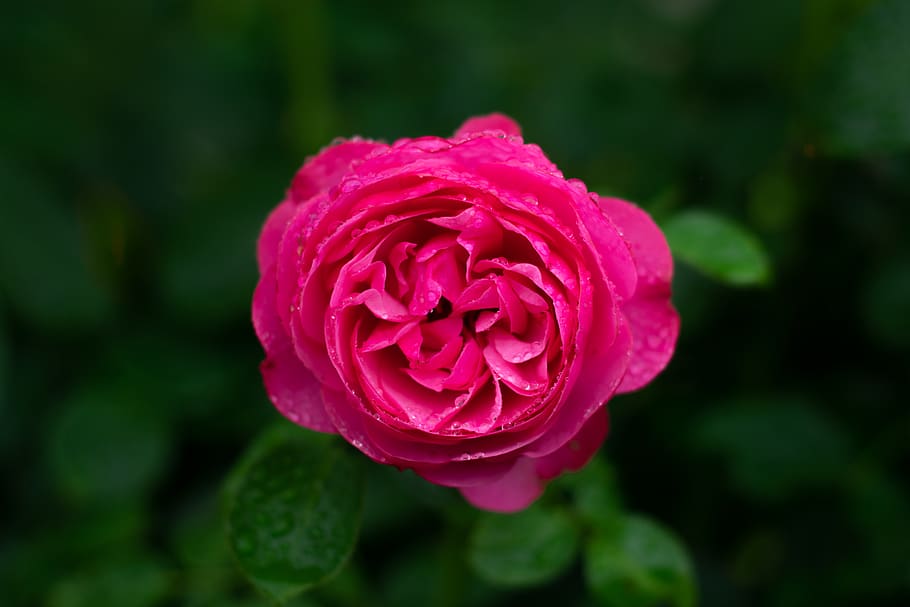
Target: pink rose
(457,307)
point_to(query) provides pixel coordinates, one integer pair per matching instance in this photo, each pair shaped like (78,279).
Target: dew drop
(350,185)
(654,341)
(578,185)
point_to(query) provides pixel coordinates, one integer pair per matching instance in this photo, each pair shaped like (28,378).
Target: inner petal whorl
(453,321)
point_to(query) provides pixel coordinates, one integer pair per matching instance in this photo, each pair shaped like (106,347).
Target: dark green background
(143,142)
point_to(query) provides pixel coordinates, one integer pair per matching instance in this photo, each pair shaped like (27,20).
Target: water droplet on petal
(350,185)
(654,341)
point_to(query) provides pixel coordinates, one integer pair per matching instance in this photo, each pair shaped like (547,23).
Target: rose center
(442,310)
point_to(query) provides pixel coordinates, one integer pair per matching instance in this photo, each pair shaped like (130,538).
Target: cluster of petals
(457,307)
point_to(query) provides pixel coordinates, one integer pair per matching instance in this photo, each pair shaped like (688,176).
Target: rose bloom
(457,307)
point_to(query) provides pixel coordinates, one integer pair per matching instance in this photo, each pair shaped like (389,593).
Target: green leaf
(105,446)
(774,446)
(639,564)
(595,496)
(523,549)
(866,98)
(134,582)
(44,269)
(718,247)
(197,537)
(294,511)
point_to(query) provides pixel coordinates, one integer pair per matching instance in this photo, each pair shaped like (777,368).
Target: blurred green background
(142,143)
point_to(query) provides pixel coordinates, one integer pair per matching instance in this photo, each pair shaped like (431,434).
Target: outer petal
(326,169)
(600,375)
(655,327)
(513,492)
(272,230)
(490,122)
(317,174)
(653,260)
(578,451)
(652,319)
(291,387)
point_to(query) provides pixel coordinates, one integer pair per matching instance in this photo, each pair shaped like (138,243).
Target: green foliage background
(142,143)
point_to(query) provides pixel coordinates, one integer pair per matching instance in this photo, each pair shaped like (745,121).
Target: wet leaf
(594,493)
(294,511)
(639,564)
(523,549)
(718,247)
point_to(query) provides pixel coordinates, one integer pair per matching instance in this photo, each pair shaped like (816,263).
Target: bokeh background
(142,143)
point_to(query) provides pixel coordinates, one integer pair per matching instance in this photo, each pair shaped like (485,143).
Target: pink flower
(457,307)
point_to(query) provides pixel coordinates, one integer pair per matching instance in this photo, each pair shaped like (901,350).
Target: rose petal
(579,450)
(653,261)
(295,392)
(266,322)
(346,414)
(516,490)
(326,169)
(601,373)
(291,387)
(655,327)
(490,122)
(272,231)
(652,319)
(469,472)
